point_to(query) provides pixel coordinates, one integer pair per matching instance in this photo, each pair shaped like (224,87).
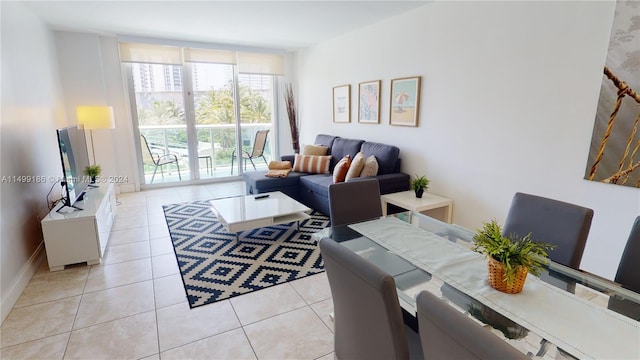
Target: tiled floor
(133,305)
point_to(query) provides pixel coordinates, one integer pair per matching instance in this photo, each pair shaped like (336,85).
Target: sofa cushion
(318,183)
(263,182)
(311,164)
(386,155)
(256,183)
(356,167)
(341,169)
(325,140)
(342,147)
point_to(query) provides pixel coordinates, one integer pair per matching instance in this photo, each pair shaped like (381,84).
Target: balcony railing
(216,144)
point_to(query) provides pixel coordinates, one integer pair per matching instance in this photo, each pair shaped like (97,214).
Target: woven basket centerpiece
(497,279)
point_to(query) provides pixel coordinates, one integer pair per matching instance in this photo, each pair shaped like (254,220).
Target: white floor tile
(132,337)
(127,252)
(178,325)
(51,348)
(230,345)
(115,303)
(161,246)
(164,265)
(127,236)
(158,231)
(169,290)
(306,336)
(107,276)
(313,288)
(265,303)
(49,286)
(38,321)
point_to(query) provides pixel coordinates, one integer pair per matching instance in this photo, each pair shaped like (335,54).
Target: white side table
(429,204)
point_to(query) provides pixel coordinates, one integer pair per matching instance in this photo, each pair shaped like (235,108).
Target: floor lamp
(95,117)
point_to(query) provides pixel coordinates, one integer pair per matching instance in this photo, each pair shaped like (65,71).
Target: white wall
(91,75)
(32,109)
(509,93)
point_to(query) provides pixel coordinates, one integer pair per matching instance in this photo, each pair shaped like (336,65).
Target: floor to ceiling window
(200,113)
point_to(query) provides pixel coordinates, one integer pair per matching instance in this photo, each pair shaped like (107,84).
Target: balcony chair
(368,317)
(258,150)
(354,201)
(627,274)
(446,333)
(156,159)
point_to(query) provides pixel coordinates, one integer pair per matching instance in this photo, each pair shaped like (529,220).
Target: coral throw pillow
(356,166)
(318,150)
(312,164)
(370,167)
(341,169)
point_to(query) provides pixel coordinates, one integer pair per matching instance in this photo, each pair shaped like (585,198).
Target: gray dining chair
(354,201)
(367,314)
(558,223)
(446,333)
(627,274)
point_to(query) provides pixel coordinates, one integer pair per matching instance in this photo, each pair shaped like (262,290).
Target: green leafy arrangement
(92,170)
(511,251)
(419,182)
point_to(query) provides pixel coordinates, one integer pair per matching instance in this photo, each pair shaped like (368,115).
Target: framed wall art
(405,101)
(369,102)
(341,104)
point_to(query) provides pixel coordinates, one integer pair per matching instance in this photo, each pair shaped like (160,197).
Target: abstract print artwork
(369,102)
(614,154)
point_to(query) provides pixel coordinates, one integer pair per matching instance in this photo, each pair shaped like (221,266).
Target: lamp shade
(96,117)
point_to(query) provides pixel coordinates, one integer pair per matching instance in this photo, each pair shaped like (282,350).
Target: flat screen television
(75,157)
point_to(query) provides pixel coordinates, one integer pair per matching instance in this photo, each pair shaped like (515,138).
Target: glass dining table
(562,314)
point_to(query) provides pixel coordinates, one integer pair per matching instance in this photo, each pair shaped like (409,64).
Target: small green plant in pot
(92,171)
(509,258)
(419,184)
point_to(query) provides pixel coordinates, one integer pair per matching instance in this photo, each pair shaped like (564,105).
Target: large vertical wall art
(614,155)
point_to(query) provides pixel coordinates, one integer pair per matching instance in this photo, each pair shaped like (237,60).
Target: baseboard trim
(10,298)
(125,188)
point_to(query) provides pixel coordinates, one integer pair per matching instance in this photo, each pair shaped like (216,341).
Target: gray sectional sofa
(312,189)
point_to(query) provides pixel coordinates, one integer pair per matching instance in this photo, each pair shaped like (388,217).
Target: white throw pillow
(356,166)
(370,167)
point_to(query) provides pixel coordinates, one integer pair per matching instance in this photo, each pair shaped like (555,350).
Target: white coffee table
(425,205)
(249,212)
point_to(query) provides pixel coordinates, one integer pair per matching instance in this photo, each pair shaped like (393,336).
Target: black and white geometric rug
(215,266)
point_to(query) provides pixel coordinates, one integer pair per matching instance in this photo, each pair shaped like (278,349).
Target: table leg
(384,207)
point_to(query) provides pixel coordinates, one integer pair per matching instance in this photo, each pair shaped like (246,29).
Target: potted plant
(92,171)
(509,258)
(419,184)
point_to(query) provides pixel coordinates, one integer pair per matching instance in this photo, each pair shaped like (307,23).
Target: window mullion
(189,113)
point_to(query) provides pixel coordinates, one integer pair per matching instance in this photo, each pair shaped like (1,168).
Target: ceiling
(286,25)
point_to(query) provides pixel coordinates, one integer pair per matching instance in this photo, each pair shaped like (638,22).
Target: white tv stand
(80,235)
